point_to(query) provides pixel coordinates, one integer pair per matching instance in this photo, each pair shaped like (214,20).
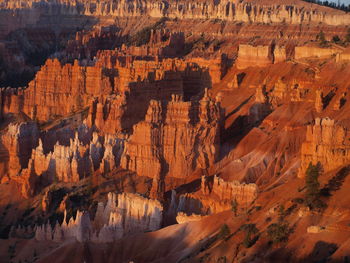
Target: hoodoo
(174,131)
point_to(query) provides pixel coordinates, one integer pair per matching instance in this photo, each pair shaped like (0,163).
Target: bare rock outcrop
(79,228)
(245,11)
(124,214)
(313,51)
(343,56)
(259,56)
(216,195)
(319,101)
(244,194)
(17,142)
(184,218)
(58,90)
(144,81)
(33,166)
(174,139)
(327,143)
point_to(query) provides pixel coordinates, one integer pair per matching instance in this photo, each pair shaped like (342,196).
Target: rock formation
(33,168)
(58,91)
(313,51)
(61,90)
(244,194)
(107,87)
(340,102)
(189,112)
(230,11)
(123,215)
(259,56)
(327,143)
(183,218)
(319,101)
(164,142)
(260,95)
(343,56)
(79,228)
(18,141)
(215,195)
(279,54)
(248,56)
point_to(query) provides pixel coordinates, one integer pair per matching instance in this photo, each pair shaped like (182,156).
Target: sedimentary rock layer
(327,143)
(175,139)
(245,11)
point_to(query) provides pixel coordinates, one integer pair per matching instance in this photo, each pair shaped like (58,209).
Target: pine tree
(347,37)
(312,185)
(234,206)
(322,39)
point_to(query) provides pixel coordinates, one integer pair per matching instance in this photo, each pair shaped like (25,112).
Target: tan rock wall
(310,51)
(226,10)
(327,143)
(248,56)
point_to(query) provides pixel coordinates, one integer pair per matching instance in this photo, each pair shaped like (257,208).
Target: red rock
(327,143)
(164,144)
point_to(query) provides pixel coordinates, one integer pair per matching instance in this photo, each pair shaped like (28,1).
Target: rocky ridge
(246,11)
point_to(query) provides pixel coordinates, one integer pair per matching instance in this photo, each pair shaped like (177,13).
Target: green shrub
(281,213)
(347,37)
(224,232)
(298,200)
(234,206)
(278,232)
(258,208)
(336,39)
(251,236)
(322,39)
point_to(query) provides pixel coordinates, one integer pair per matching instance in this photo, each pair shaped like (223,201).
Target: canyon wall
(326,142)
(32,167)
(103,95)
(58,91)
(175,138)
(107,87)
(312,51)
(343,56)
(248,56)
(18,141)
(259,56)
(244,11)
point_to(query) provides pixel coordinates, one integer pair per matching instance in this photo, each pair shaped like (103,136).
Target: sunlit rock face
(175,138)
(215,195)
(123,215)
(80,157)
(314,51)
(170,130)
(327,143)
(244,11)
(106,88)
(250,56)
(259,56)
(61,90)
